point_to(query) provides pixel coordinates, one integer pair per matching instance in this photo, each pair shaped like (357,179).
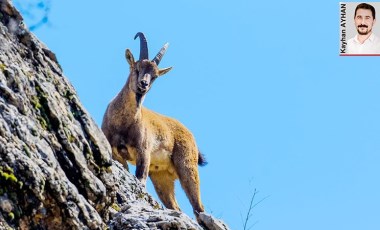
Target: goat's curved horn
(143,46)
(160,54)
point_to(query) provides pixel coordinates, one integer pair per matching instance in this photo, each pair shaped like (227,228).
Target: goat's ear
(129,57)
(164,71)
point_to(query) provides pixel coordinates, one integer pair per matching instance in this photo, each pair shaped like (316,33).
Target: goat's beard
(142,91)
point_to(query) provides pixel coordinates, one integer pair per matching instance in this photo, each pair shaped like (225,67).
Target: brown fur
(158,145)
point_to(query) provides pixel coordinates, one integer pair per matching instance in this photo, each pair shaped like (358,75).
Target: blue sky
(261,86)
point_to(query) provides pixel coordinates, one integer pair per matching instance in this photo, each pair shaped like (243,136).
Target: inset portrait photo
(359,30)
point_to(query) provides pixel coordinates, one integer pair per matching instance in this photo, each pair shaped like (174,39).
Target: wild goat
(158,145)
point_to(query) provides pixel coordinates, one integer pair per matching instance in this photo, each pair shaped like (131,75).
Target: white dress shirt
(369,46)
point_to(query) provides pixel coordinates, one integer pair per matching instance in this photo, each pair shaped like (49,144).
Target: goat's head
(144,72)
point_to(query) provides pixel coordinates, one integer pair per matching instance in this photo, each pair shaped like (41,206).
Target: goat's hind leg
(163,182)
(188,176)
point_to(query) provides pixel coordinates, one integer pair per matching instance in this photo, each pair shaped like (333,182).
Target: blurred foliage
(35,12)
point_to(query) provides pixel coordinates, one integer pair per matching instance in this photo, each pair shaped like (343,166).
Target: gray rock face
(54,161)
(56,169)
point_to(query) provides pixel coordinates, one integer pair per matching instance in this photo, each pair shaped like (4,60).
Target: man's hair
(366,7)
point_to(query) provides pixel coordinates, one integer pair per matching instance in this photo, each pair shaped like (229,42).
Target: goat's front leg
(142,165)
(121,155)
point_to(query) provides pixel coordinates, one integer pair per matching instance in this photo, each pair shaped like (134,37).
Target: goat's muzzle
(143,87)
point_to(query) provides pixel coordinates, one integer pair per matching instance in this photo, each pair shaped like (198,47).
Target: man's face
(364,21)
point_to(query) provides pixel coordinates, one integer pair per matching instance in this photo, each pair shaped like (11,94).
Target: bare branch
(249,214)
(251,205)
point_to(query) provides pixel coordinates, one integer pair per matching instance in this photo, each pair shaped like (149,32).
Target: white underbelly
(160,160)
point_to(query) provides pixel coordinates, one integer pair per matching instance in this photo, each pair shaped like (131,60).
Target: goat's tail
(201,159)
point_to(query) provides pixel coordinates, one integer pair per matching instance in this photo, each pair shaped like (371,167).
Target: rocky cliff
(56,170)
